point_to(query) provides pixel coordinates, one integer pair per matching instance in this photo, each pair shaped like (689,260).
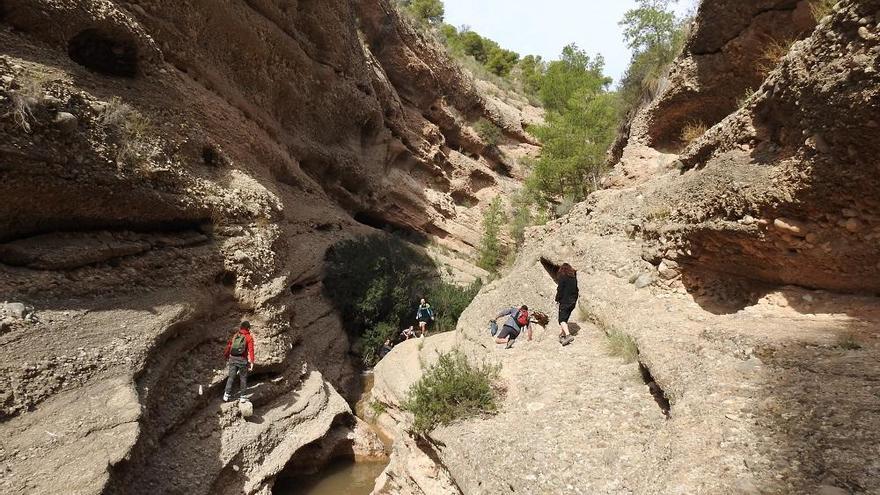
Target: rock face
(178,166)
(746,280)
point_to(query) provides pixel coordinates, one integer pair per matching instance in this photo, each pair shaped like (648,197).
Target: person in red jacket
(239,356)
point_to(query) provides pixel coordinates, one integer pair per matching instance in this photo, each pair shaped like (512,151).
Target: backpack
(493,328)
(522,318)
(239,345)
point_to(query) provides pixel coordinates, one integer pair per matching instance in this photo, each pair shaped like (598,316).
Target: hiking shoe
(509,344)
(561,338)
(567,340)
(225,397)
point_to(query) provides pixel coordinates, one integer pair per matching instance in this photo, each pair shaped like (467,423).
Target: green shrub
(377,407)
(488,132)
(449,390)
(491,252)
(375,279)
(375,283)
(427,11)
(449,301)
(622,345)
(371,341)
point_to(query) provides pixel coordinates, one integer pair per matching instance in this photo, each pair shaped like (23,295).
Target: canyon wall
(174,167)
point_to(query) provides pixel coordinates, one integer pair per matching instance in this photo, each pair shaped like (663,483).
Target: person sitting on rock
(239,356)
(408,333)
(517,319)
(423,316)
(566,298)
(386,348)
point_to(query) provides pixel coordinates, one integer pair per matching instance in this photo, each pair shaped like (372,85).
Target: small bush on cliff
(488,132)
(24,99)
(450,301)
(656,36)
(622,345)
(449,390)
(428,11)
(491,251)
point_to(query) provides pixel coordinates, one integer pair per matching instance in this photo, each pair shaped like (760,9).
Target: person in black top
(566,298)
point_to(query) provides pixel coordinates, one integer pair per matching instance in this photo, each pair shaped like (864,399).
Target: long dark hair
(566,270)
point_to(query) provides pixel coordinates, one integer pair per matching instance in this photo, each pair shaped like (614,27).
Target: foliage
(428,11)
(377,407)
(774,51)
(375,279)
(467,43)
(488,132)
(848,342)
(744,99)
(134,130)
(375,283)
(521,216)
(449,390)
(656,36)
(622,345)
(450,301)
(491,253)
(531,72)
(24,99)
(692,130)
(581,123)
(822,8)
(372,340)
(564,207)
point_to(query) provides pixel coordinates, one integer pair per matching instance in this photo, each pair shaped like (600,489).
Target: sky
(543,27)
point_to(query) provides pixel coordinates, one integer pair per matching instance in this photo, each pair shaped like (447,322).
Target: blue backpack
(493,328)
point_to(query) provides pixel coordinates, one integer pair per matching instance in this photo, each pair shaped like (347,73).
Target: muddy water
(342,476)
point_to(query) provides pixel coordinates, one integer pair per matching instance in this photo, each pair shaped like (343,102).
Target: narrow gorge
(170,168)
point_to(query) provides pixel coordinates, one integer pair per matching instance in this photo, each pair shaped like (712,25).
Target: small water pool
(340,477)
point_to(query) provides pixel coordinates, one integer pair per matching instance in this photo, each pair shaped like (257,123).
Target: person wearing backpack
(423,316)
(517,320)
(566,298)
(239,360)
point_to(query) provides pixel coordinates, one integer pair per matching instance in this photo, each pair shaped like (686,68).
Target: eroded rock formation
(177,166)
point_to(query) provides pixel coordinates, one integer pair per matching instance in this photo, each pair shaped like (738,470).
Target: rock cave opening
(104,53)
(657,392)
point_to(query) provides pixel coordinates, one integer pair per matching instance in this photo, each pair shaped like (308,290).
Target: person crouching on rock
(566,298)
(239,360)
(517,319)
(423,316)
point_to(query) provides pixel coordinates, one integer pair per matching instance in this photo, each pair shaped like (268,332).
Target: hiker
(517,319)
(423,316)
(239,360)
(566,298)
(386,348)
(408,333)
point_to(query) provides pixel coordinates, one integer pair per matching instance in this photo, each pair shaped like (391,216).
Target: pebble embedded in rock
(644,280)
(854,225)
(66,122)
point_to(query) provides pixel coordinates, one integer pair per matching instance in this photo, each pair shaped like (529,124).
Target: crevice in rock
(104,53)
(655,390)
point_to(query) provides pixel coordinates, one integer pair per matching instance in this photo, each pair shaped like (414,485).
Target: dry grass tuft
(622,345)
(822,8)
(692,131)
(24,99)
(136,147)
(774,51)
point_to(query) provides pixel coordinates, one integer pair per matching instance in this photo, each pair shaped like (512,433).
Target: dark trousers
(236,366)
